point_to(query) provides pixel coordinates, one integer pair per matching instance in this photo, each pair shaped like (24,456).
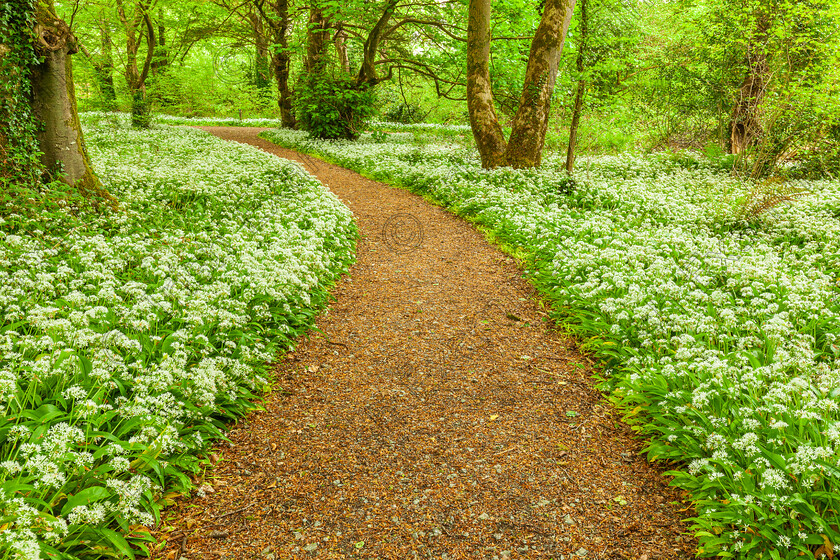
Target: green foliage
(333,107)
(406,113)
(20,165)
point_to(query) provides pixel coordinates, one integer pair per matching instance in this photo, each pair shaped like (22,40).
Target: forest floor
(435,415)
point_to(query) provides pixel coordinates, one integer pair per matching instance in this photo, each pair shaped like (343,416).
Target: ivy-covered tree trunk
(54,101)
(281,61)
(531,120)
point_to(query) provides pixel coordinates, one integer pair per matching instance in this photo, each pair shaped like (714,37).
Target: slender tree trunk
(581,88)
(261,58)
(745,126)
(105,67)
(134,76)
(531,120)
(54,102)
(316,41)
(573,128)
(486,129)
(160,60)
(281,61)
(340,42)
(5,94)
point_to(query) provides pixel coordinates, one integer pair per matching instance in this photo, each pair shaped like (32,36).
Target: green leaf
(118,541)
(85,497)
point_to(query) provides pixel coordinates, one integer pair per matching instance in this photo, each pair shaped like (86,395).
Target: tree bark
(340,42)
(134,76)
(581,88)
(316,41)
(531,120)
(261,58)
(367,71)
(54,102)
(160,60)
(487,131)
(281,61)
(745,126)
(103,66)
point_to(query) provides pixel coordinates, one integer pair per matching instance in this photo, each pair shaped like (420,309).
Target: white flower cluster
(126,339)
(727,331)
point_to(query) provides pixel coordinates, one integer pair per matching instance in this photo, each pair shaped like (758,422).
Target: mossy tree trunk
(135,77)
(317,39)
(281,61)
(580,90)
(487,131)
(54,101)
(531,120)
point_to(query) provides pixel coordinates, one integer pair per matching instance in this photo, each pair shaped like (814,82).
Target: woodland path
(440,418)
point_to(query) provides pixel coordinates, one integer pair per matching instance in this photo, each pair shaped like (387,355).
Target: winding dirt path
(437,418)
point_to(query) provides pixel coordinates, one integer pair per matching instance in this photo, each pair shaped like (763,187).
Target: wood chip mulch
(437,416)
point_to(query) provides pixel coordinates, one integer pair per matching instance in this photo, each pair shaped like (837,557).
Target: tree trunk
(486,129)
(581,88)
(340,42)
(105,67)
(316,41)
(261,58)
(531,120)
(160,59)
(573,128)
(134,77)
(281,61)
(54,102)
(367,71)
(744,126)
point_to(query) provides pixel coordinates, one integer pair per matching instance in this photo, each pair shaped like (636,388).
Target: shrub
(332,108)
(404,113)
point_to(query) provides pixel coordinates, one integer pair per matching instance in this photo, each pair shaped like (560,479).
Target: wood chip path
(436,418)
